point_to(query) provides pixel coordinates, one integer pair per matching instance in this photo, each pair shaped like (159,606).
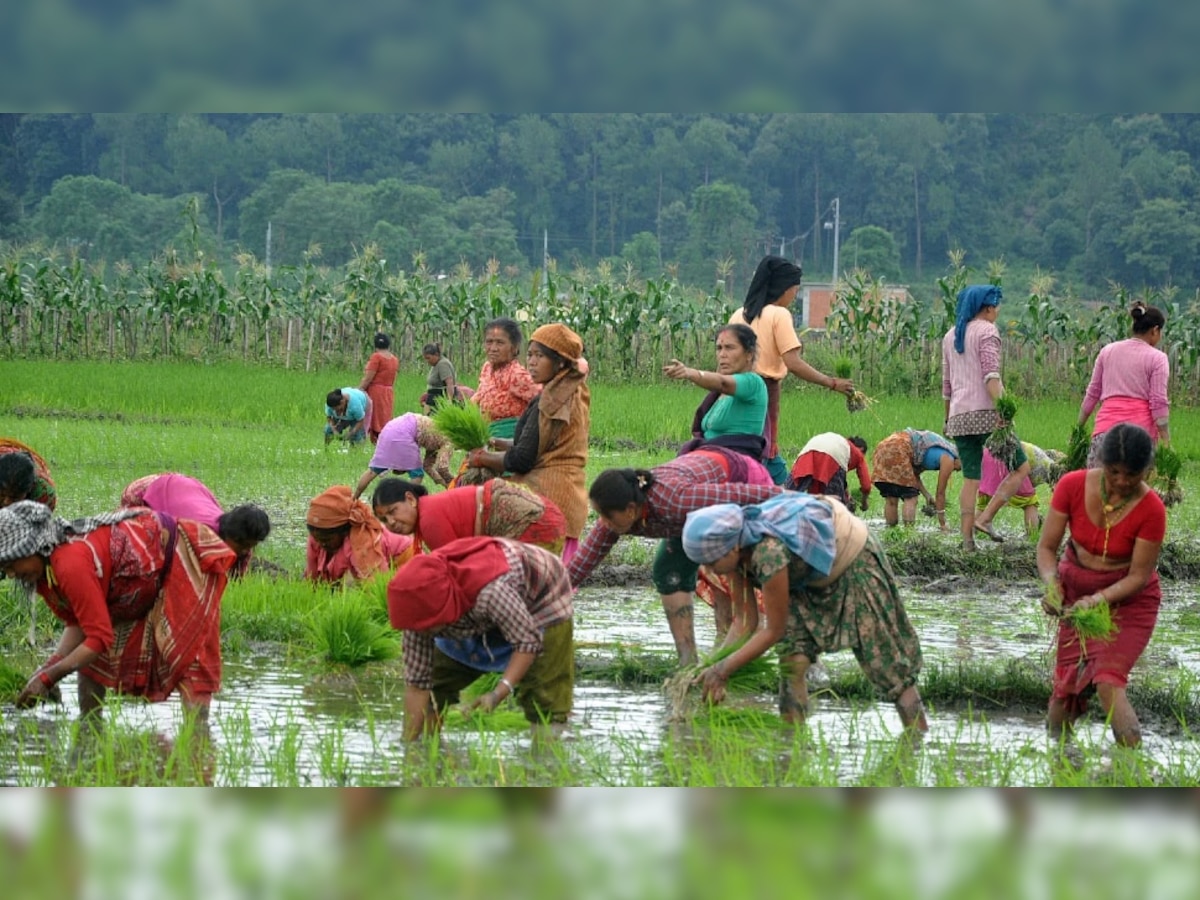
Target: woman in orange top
(505,386)
(378,378)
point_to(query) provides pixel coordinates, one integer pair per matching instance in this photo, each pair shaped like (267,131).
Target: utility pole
(268,259)
(836,225)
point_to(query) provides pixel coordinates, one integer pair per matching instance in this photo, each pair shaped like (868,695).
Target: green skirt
(503,428)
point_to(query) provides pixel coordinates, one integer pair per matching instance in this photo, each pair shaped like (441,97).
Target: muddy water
(279,722)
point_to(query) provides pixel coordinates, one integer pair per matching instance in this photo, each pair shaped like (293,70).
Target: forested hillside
(1091,199)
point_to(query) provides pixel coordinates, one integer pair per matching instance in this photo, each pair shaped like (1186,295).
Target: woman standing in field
(481,605)
(897,464)
(550,442)
(182,497)
(441,382)
(24,475)
(971,384)
(1117,526)
(139,594)
(344,539)
(655,503)
(767,310)
(734,411)
(379,376)
(1129,381)
(505,387)
(348,414)
(826,586)
(492,509)
(400,448)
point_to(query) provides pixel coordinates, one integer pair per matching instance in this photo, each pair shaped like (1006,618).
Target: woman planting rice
(1129,382)
(347,414)
(181,497)
(971,386)
(481,605)
(505,387)
(897,464)
(549,448)
(24,475)
(655,503)
(767,310)
(139,594)
(826,586)
(1117,526)
(344,539)
(379,376)
(1045,467)
(409,445)
(823,464)
(493,509)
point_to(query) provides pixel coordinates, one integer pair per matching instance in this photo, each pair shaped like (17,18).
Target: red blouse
(1147,519)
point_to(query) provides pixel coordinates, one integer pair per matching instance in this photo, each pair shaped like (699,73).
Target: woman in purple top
(409,445)
(1129,381)
(971,384)
(182,497)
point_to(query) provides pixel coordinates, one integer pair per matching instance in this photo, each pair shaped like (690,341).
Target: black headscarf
(773,276)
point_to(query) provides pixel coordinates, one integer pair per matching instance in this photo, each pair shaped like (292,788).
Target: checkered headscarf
(803,522)
(29,528)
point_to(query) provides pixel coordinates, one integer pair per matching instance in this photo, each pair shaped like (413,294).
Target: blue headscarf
(971,300)
(801,521)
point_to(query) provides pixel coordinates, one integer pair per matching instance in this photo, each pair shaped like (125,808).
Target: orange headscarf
(439,588)
(335,508)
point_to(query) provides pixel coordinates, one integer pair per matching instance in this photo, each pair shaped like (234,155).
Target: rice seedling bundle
(1077,447)
(1092,623)
(11,682)
(465,426)
(683,689)
(1003,442)
(857,401)
(345,631)
(842,368)
(1167,465)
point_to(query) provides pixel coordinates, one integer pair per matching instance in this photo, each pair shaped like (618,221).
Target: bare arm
(365,479)
(710,381)
(1053,529)
(518,666)
(420,718)
(797,366)
(775,603)
(70,656)
(745,610)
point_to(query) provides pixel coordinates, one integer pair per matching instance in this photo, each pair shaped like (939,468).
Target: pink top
(325,566)
(182,497)
(963,373)
(1133,375)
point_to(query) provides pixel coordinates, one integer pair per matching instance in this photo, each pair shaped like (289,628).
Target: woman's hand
(713,681)
(37,691)
(841,385)
(1052,603)
(485,703)
(1090,600)
(677,370)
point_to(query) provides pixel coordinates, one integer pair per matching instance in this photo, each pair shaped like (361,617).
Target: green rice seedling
(1003,442)
(842,367)
(1092,623)
(1077,447)
(1167,466)
(683,687)
(857,401)
(11,682)
(345,631)
(466,426)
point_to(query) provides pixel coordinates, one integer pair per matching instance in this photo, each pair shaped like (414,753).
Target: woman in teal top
(735,410)
(347,414)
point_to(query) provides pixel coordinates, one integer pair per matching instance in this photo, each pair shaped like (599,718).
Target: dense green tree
(100,219)
(874,249)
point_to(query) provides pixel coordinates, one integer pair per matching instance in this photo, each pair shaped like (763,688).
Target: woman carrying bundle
(655,503)
(493,509)
(826,586)
(345,540)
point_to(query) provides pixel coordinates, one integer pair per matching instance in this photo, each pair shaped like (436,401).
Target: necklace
(1107,509)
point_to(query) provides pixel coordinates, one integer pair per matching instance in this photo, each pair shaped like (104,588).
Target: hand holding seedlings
(713,680)
(1052,600)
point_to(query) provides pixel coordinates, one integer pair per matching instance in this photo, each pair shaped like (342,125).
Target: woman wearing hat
(550,443)
(484,604)
(767,310)
(826,586)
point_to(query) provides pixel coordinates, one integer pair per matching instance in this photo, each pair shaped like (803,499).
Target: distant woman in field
(348,415)
(182,497)
(1117,526)
(655,503)
(767,310)
(139,594)
(826,586)
(481,605)
(1129,381)
(505,387)
(898,463)
(346,540)
(24,475)
(409,445)
(549,448)
(824,464)
(493,509)
(441,382)
(971,384)
(379,376)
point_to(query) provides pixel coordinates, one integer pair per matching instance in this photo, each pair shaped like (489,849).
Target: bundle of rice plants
(465,426)
(857,401)
(345,631)
(842,367)
(1167,465)
(683,689)
(1092,623)
(1077,448)
(1003,442)
(11,682)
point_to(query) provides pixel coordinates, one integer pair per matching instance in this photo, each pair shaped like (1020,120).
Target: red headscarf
(335,508)
(439,588)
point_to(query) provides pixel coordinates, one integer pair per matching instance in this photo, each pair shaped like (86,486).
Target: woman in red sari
(1117,525)
(378,378)
(139,593)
